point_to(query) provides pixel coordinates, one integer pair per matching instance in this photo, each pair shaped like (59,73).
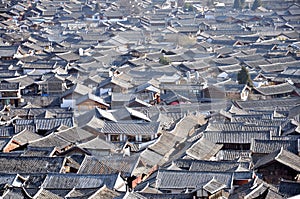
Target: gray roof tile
(30,164)
(168,179)
(282,156)
(242,137)
(269,146)
(58,181)
(130,128)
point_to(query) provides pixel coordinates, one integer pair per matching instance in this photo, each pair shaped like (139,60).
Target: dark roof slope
(276,89)
(131,128)
(58,181)
(269,146)
(289,188)
(30,164)
(235,136)
(282,156)
(168,179)
(203,149)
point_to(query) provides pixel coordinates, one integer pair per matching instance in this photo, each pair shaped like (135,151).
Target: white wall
(120,184)
(66,103)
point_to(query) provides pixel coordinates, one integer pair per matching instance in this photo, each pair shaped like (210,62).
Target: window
(146,138)
(131,138)
(115,138)
(196,92)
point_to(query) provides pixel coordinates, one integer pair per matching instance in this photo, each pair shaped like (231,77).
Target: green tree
(164,60)
(256,4)
(237,4)
(243,77)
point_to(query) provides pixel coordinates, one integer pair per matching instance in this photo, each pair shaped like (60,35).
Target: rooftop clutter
(149,99)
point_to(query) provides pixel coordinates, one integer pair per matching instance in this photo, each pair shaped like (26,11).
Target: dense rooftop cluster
(149,99)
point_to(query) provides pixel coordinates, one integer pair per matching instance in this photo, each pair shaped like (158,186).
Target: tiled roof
(127,113)
(213,186)
(256,63)
(91,165)
(240,126)
(15,192)
(230,68)
(7,178)
(165,143)
(39,65)
(25,136)
(272,103)
(49,141)
(92,97)
(68,56)
(59,181)
(242,137)
(287,59)
(46,123)
(150,158)
(123,54)
(46,194)
(283,77)
(109,164)
(78,89)
(226,61)
(168,179)
(269,146)
(116,81)
(278,67)
(283,88)
(131,128)
(257,188)
(39,151)
(234,155)
(282,156)
(289,188)
(75,135)
(6,86)
(30,164)
(97,144)
(203,165)
(142,195)
(50,123)
(105,192)
(203,149)
(83,193)
(7,51)
(187,125)
(23,80)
